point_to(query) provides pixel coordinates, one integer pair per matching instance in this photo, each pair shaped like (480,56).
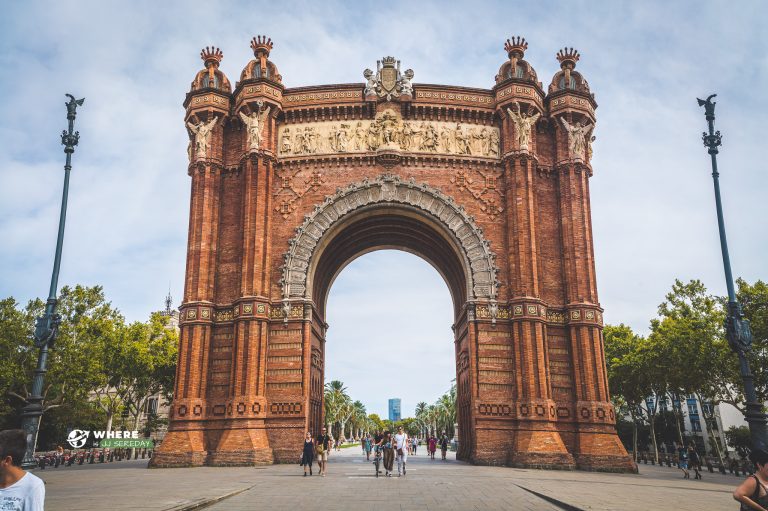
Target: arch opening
(390,314)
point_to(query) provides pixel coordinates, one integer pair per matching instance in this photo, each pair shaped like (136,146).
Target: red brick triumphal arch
(491,186)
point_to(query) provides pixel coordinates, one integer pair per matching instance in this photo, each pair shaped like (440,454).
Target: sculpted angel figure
(202,133)
(523,124)
(577,137)
(254,123)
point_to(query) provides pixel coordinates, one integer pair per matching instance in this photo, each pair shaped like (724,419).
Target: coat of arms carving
(388,82)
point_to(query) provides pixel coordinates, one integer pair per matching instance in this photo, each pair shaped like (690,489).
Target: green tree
(628,379)
(739,438)
(73,360)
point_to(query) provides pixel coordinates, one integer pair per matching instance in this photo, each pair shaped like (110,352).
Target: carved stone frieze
(479,260)
(388,131)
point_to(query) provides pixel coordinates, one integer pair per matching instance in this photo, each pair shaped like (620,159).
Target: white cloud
(652,201)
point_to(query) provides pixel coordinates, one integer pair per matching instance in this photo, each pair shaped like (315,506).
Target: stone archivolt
(388,131)
(385,190)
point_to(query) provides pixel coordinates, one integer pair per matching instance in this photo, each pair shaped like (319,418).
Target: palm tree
(336,398)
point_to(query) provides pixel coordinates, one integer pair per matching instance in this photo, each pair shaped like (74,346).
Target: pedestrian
(752,493)
(367,446)
(682,461)
(443,445)
(694,460)
(19,489)
(389,453)
(414,444)
(432,446)
(323,444)
(401,446)
(308,453)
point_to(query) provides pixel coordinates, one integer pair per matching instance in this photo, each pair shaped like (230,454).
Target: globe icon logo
(77,438)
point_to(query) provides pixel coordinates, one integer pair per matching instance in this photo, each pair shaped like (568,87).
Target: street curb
(200,504)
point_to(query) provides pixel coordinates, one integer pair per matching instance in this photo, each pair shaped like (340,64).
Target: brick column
(537,441)
(597,444)
(243,440)
(184,444)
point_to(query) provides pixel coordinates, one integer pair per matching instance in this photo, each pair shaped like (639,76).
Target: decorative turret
(260,66)
(571,110)
(211,77)
(567,78)
(516,67)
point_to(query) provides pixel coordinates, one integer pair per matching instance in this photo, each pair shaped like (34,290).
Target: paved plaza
(351,485)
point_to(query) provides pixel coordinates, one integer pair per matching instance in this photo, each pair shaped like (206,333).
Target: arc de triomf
(491,186)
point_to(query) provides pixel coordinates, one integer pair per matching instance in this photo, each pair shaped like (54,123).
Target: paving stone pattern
(351,485)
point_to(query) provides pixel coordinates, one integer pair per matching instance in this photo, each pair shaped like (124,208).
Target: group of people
(384,444)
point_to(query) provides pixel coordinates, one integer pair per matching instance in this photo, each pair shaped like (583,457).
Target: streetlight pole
(47,325)
(737,328)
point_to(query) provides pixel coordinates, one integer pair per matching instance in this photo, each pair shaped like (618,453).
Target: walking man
(401,446)
(323,444)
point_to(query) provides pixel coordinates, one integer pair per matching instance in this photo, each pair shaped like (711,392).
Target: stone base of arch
(180,449)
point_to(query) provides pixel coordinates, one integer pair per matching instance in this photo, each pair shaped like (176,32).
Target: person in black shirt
(308,453)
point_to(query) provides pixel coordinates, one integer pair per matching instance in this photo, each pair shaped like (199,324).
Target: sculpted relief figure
(493,143)
(577,137)
(254,123)
(202,133)
(429,140)
(406,136)
(523,124)
(389,131)
(462,140)
(285,142)
(359,136)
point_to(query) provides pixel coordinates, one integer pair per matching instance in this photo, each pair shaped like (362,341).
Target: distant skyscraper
(394,409)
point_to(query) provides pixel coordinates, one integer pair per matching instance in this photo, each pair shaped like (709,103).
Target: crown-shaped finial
(388,61)
(568,58)
(516,46)
(211,56)
(261,44)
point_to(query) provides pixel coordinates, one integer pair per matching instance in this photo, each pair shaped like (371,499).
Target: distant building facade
(394,409)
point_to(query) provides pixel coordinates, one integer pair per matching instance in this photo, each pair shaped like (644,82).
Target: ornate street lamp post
(46,326)
(737,328)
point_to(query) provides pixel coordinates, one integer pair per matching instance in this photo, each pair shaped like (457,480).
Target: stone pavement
(351,485)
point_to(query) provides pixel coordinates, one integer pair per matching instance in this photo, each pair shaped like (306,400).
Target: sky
(652,202)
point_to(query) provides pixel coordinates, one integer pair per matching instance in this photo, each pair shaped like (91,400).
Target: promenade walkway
(351,485)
